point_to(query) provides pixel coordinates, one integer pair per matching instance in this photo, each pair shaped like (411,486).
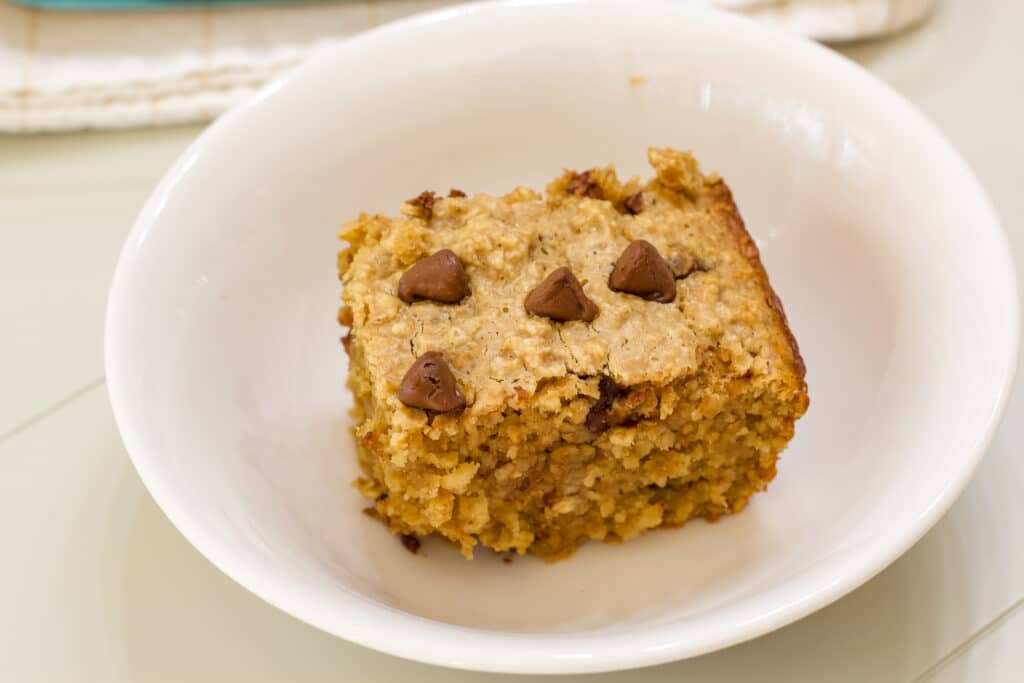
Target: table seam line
(54,408)
(990,627)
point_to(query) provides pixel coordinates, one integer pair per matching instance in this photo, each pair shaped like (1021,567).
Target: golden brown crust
(725,205)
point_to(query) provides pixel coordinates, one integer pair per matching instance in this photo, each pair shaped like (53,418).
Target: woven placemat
(69,70)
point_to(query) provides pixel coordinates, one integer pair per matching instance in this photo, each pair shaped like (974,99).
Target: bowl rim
(417,638)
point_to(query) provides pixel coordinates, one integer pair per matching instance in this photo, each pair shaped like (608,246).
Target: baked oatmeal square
(531,371)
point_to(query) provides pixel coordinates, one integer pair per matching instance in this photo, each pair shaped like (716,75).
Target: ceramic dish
(227,377)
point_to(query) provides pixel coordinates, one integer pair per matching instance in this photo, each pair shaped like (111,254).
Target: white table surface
(96,585)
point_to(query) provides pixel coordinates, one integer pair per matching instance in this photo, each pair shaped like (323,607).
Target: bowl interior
(228,378)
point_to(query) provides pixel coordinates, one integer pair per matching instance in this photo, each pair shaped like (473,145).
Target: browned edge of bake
(723,202)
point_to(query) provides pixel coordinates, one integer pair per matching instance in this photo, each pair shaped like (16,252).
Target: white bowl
(227,377)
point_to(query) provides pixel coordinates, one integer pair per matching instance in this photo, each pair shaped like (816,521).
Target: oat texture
(694,399)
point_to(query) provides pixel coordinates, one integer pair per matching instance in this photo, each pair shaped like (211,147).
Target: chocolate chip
(456,193)
(560,297)
(430,385)
(438,277)
(424,201)
(584,185)
(608,392)
(642,271)
(634,203)
(346,341)
(411,543)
